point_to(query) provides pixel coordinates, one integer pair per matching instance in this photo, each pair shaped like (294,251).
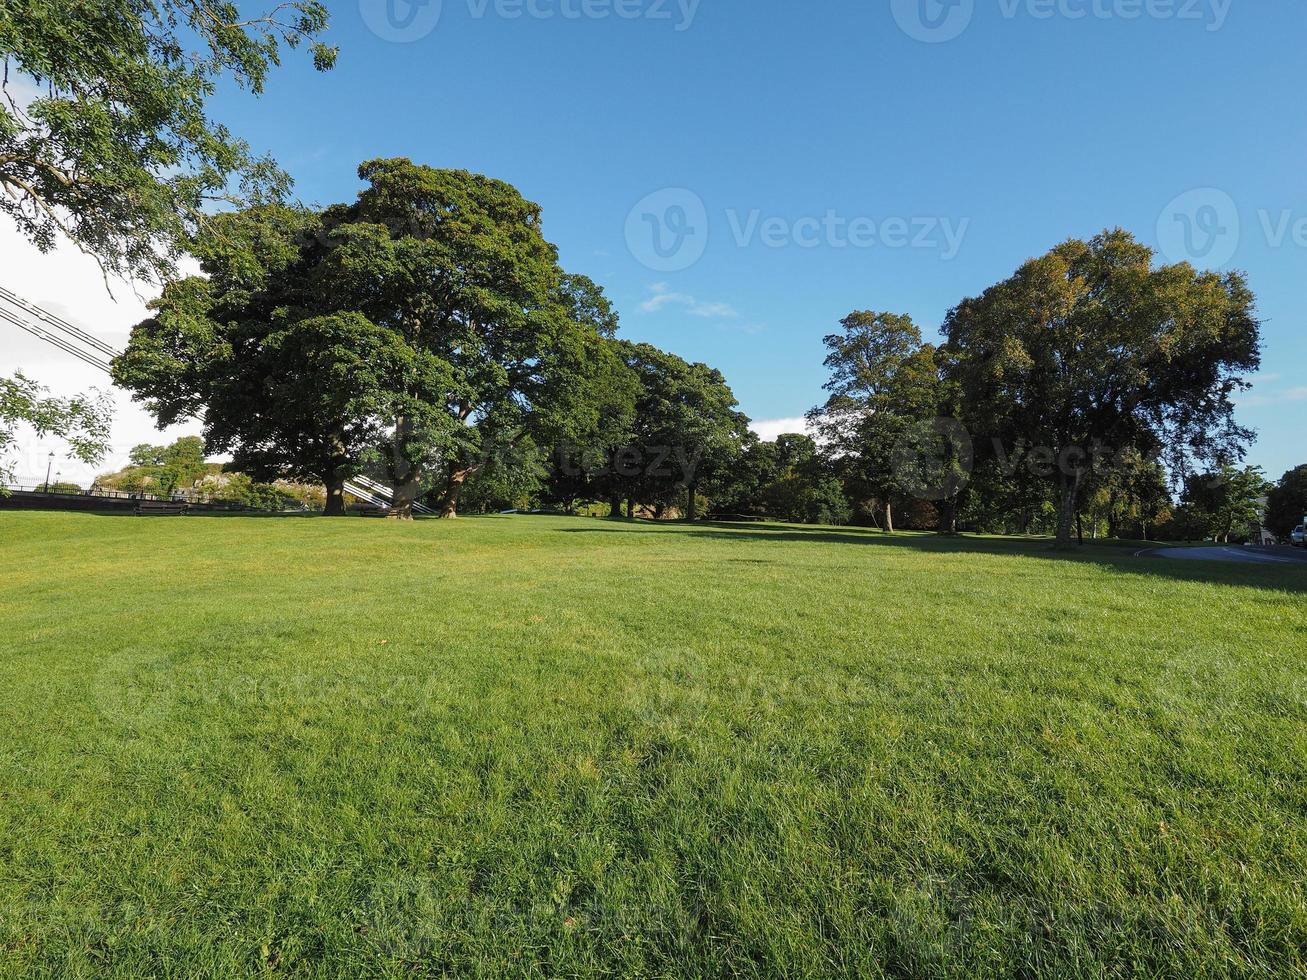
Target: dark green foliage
(885,389)
(288,390)
(1286,503)
(787,480)
(1225,502)
(685,434)
(425,329)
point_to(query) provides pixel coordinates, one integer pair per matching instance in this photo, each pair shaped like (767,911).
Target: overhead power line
(54,340)
(57,322)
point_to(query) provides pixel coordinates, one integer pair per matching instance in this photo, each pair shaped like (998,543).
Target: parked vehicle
(1298,536)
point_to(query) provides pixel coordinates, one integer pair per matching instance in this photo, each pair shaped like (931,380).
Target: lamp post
(48,467)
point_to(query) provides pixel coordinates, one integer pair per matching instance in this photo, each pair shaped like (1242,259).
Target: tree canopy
(686,430)
(105,135)
(883,383)
(1286,503)
(1225,502)
(81,421)
(1093,349)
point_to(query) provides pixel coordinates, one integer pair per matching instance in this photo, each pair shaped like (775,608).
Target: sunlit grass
(573,747)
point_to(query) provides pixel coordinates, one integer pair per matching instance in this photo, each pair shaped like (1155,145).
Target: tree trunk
(1069,485)
(630,509)
(449,503)
(404,485)
(402,495)
(335,495)
(692,511)
(889,517)
(615,506)
(948,516)
(1080,530)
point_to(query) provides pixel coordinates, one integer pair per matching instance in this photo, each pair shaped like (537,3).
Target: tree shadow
(1131,559)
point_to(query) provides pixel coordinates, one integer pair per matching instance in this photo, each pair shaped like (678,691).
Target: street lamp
(47,471)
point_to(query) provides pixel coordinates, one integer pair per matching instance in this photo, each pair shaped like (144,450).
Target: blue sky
(839,159)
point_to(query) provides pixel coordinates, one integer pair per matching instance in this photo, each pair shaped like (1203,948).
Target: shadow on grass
(1121,557)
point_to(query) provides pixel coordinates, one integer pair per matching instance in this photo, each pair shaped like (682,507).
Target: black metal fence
(51,497)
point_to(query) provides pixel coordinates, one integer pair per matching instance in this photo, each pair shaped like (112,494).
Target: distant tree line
(1286,504)
(181,469)
(427,335)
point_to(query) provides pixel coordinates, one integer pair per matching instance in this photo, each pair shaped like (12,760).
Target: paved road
(1257,556)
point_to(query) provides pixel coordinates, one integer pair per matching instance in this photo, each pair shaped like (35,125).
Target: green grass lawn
(540,746)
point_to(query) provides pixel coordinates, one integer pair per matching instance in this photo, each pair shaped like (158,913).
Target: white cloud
(662,296)
(69,284)
(768,429)
(1258,399)
(1263,378)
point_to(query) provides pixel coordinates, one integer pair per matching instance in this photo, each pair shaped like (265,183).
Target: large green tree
(884,383)
(1132,495)
(686,431)
(426,328)
(105,135)
(1093,349)
(788,478)
(288,390)
(457,266)
(1226,501)
(582,464)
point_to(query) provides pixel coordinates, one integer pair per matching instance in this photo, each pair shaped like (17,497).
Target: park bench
(160,508)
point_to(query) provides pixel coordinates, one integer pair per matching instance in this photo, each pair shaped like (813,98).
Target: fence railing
(57,491)
(181,496)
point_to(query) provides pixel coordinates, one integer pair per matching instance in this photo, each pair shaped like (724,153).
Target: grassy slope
(515,745)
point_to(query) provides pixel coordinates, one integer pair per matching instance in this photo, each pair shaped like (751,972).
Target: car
(1298,536)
